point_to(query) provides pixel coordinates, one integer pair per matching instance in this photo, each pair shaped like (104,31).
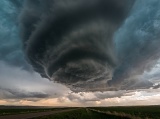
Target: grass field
(82,113)
(134,112)
(140,111)
(18,110)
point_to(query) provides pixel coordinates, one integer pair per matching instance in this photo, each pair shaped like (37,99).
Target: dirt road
(32,115)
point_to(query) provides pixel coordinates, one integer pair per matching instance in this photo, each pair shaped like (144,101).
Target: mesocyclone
(71,42)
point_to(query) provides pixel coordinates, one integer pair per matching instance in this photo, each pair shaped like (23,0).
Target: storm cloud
(137,47)
(22,84)
(88,46)
(71,42)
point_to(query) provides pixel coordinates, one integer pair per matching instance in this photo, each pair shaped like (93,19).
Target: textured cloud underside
(88,46)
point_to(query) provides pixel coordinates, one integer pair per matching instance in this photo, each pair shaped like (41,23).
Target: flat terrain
(144,112)
(12,110)
(134,112)
(37,114)
(82,113)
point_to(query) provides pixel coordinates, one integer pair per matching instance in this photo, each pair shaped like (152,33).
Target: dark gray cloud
(137,45)
(20,94)
(17,3)
(110,94)
(81,97)
(71,42)
(10,47)
(93,97)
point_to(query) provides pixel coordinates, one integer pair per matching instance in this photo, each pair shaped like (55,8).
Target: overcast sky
(137,46)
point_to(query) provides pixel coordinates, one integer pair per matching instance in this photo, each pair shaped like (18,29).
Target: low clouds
(20,94)
(17,83)
(22,88)
(113,98)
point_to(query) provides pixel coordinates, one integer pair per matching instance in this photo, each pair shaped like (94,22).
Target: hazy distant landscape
(130,112)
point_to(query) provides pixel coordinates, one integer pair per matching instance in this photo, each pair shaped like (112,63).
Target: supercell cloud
(97,45)
(137,45)
(71,42)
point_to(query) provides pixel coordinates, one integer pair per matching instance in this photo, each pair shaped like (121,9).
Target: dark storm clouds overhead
(10,47)
(71,42)
(136,44)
